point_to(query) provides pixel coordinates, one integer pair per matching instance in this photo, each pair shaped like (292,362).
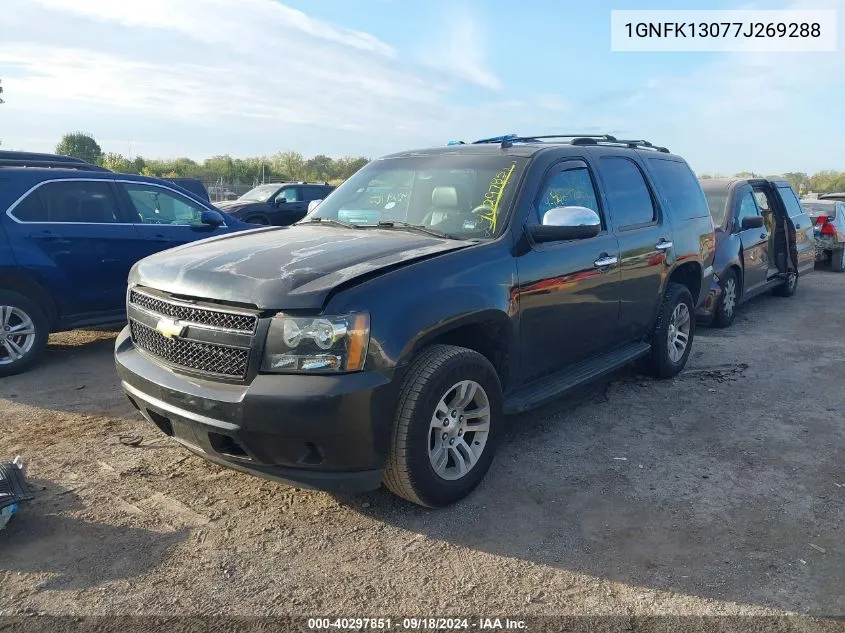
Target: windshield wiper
(331,222)
(391,224)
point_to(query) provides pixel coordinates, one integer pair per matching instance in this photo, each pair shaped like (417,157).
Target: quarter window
(568,188)
(70,201)
(677,182)
(627,192)
(154,205)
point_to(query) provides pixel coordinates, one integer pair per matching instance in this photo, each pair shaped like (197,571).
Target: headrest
(444,197)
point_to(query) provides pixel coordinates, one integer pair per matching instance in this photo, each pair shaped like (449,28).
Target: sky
(197,78)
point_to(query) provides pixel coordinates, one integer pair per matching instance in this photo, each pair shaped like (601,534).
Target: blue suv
(69,233)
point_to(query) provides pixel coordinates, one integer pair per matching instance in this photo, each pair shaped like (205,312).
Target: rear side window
(627,192)
(790,201)
(70,201)
(680,187)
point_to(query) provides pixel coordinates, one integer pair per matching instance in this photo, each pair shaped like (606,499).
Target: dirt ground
(720,492)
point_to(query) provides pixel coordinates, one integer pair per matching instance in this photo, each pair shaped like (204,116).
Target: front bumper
(324,432)
(707,310)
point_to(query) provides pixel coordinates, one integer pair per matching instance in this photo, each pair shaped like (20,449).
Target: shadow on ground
(45,538)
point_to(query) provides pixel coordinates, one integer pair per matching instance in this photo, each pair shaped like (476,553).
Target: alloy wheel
(459,430)
(679,331)
(729,301)
(17,334)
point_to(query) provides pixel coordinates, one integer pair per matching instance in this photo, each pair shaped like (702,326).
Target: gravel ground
(720,492)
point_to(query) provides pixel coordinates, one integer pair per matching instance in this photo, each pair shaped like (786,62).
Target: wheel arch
(488,332)
(29,286)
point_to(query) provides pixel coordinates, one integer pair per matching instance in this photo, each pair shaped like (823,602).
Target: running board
(545,389)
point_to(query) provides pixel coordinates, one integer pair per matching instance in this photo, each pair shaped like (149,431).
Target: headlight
(324,344)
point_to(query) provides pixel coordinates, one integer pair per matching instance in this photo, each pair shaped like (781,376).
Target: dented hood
(283,267)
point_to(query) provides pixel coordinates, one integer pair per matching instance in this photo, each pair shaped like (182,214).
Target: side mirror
(566,223)
(281,200)
(753,222)
(212,218)
(313,205)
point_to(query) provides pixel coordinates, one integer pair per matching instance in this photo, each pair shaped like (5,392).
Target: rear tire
(726,309)
(837,260)
(673,334)
(24,329)
(436,458)
(788,287)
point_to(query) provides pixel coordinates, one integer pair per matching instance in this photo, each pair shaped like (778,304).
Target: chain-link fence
(222,191)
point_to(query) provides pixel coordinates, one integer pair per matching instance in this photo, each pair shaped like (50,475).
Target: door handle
(663,245)
(605,260)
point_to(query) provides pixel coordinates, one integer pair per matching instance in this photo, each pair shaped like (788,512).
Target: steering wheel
(481,208)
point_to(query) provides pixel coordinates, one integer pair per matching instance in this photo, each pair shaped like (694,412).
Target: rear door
(163,217)
(802,227)
(73,233)
(645,240)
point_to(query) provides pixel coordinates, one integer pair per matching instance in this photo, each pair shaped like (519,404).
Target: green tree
(321,167)
(117,162)
(79,145)
(290,165)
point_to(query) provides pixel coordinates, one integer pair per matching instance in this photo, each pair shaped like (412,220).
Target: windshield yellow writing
(494,194)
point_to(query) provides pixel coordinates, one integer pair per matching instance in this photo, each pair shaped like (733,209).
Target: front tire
(837,260)
(23,332)
(448,421)
(788,287)
(726,310)
(674,331)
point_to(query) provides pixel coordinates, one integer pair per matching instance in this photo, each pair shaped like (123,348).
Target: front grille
(201,316)
(194,355)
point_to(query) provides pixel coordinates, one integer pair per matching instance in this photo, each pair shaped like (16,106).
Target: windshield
(261,193)
(717,200)
(815,209)
(463,196)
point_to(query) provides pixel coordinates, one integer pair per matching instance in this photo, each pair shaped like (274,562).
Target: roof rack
(33,159)
(575,139)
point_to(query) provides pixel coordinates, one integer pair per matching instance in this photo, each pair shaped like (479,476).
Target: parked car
(832,196)
(828,216)
(764,241)
(337,353)
(194,185)
(69,233)
(276,203)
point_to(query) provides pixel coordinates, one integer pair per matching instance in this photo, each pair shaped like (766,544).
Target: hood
(279,268)
(235,207)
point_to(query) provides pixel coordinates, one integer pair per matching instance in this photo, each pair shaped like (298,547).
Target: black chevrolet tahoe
(385,336)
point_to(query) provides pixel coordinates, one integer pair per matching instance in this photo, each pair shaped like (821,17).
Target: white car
(829,223)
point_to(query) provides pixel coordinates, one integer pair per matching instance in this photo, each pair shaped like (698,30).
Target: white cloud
(462,50)
(258,73)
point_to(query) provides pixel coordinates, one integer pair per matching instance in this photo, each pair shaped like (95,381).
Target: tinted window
(154,205)
(567,188)
(680,187)
(627,192)
(790,201)
(313,193)
(747,209)
(70,201)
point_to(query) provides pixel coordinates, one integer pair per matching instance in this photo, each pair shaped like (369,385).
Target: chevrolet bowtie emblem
(169,328)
